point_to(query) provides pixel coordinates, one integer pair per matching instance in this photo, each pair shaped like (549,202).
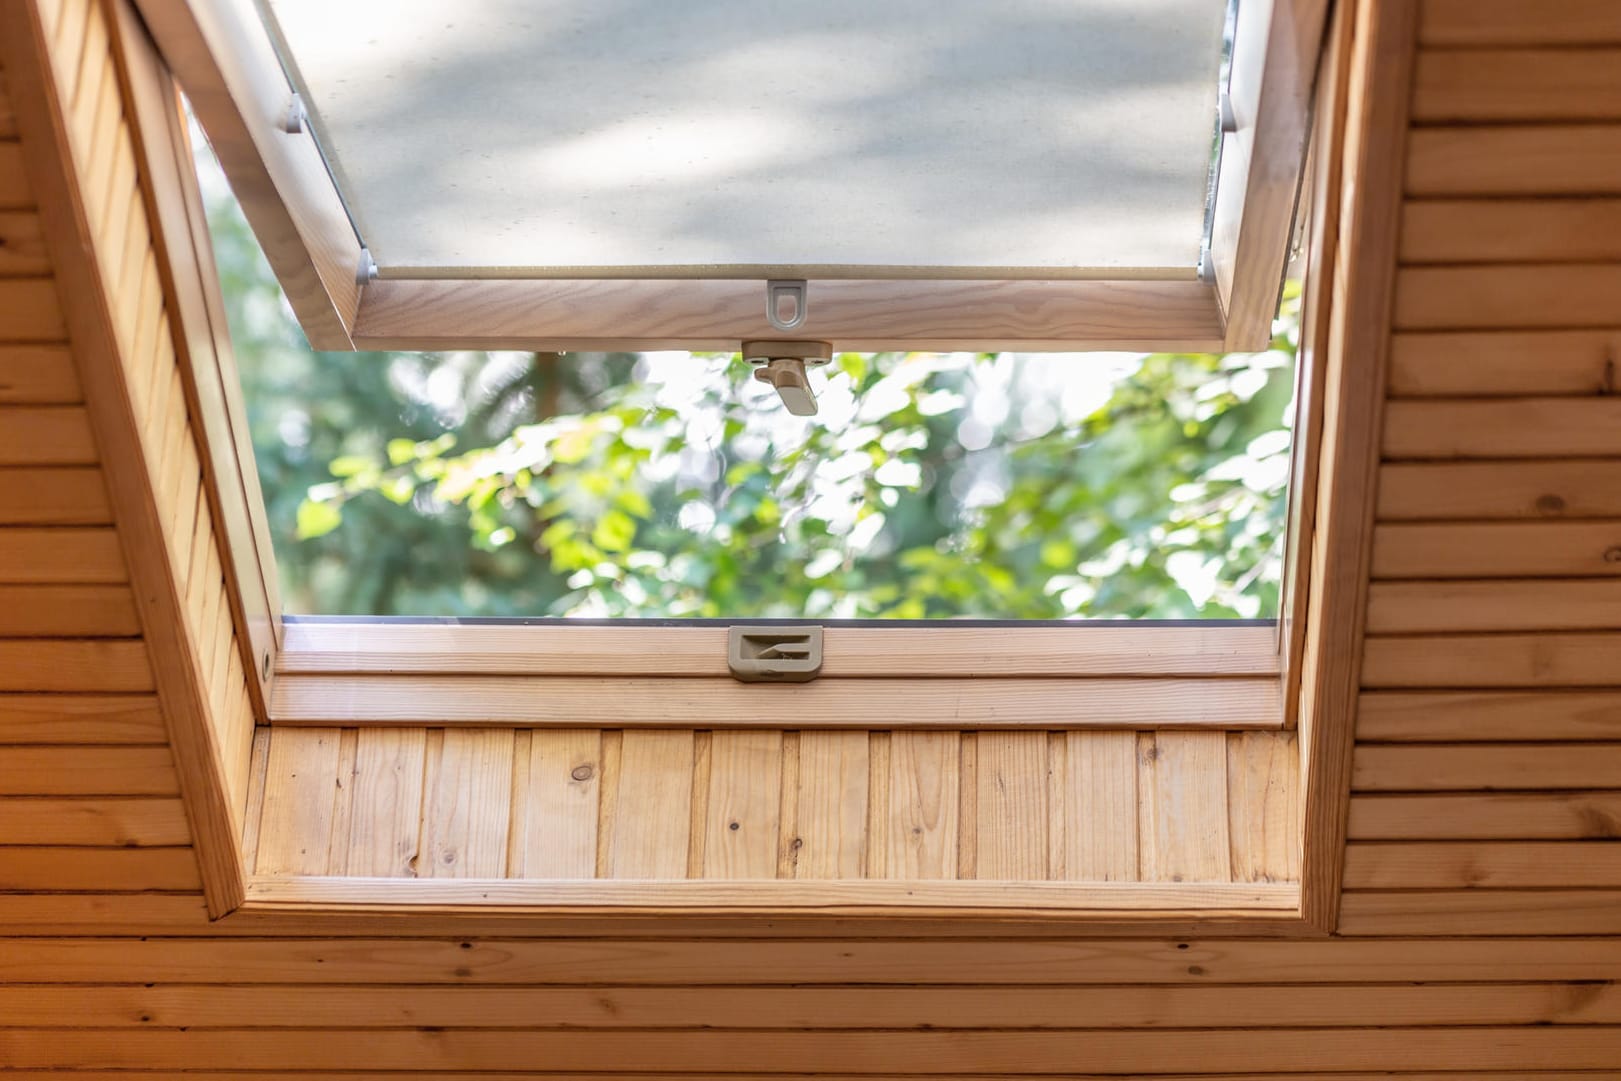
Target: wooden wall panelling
(919,832)
(69,107)
(560,806)
(467,802)
(1183,815)
(386,798)
(1486,770)
(1101,806)
(1540,490)
(1010,802)
(645,826)
(829,836)
(1488,971)
(742,815)
(1524,23)
(300,795)
(1494,716)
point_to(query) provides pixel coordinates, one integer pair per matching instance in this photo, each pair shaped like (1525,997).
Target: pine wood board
(117,665)
(1482,865)
(1263,806)
(1497,550)
(1481,816)
(1506,230)
(67,612)
(1104,649)
(938,1053)
(39,435)
(1533,604)
(1504,428)
(936,898)
(811,1008)
(80,718)
(1506,85)
(45,867)
(1484,913)
(829,836)
(106,822)
(1511,297)
(1477,23)
(722,702)
(384,838)
(1500,767)
(1010,803)
(22,244)
(1515,160)
(1182,807)
(1465,716)
(37,375)
(47,496)
(15,193)
(1493,660)
(1100,810)
(1539,490)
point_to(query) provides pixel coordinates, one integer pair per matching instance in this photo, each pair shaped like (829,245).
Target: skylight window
(671,485)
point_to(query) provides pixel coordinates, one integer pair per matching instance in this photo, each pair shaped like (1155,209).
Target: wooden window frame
(1313,664)
(359,672)
(225,59)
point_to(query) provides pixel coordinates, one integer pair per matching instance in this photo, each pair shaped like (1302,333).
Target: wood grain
(1519,22)
(1504,428)
(1182,807)
(384,837)
(1517,84)
(1531,159)
(1483,715)
(647,824)
(570,701)
(714,314)
(830,837)
(1579,488)
(742,815)
(1526,231)
(1498,550)
(466,804)
(1010,801)
(562,804)
(922,822)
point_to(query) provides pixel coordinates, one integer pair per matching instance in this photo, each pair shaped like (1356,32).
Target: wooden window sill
(1115,675)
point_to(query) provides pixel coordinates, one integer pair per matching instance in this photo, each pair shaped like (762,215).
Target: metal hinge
(774,654)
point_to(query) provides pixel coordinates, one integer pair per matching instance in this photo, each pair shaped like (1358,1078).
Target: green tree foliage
(932,486)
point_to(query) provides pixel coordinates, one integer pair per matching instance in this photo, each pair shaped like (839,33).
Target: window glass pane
(672,485)
(1048,137)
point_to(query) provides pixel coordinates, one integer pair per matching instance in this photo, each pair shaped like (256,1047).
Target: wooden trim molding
(202,337)
(57,169)
(1384,35)
(1134,901)
(1107,675)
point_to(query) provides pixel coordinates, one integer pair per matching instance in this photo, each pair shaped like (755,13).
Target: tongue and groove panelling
(120,976)
(1088,806)
(1487,780)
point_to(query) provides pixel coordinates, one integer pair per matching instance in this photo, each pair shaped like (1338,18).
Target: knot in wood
(581,773)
